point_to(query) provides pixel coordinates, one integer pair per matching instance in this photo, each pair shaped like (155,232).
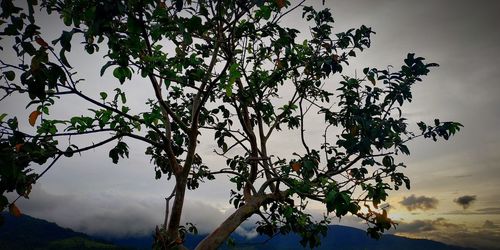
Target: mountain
(345,238)
(339,237)
(27,232)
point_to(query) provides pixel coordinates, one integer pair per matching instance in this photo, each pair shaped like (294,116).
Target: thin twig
(167,208)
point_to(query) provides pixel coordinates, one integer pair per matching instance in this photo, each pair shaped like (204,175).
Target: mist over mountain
(26,232)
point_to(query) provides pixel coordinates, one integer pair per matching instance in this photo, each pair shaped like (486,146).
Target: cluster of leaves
(227,68)
(45,76)
(17,152)
(286,218)
(368,113)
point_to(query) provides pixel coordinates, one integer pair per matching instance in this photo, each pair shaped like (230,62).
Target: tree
(226,67)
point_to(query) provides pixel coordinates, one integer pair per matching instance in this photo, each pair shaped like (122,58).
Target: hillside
(31,233)
(339,237)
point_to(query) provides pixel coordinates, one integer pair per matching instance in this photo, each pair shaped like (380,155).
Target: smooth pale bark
(219,235)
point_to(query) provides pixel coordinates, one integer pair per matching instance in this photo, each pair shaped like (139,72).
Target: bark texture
(219,235)
(175,218)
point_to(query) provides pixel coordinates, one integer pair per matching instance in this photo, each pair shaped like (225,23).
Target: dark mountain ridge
(26,232)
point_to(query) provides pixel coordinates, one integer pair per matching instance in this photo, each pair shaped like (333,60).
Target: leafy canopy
(232,69)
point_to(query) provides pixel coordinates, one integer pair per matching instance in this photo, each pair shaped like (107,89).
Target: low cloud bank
(119,215)
(486,236)
(113,215)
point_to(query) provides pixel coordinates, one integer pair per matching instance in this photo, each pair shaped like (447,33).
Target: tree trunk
(219,235)
(175,217)
(180,187)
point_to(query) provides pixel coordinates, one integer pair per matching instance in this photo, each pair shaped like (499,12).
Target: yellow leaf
(354,130)
(335,58)
(14,210)
(27,191)
(280,3)
(35,65)
(279,64)
(296,166)
(178,240)
(33,116)
(18,147)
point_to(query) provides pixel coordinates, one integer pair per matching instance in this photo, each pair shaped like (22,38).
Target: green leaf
(309,164)
(123,97)
(407,182)
(330,200)
(265,12)
(194,23)
(404,149)
(103,69)
(68,152)
(387,161)
(372,79)
(63,58)
(10,75)
(179,4)
(133,25)
(66,40)
(422,126)
(106,116)
(234,74)
(113,154)
(104,95)
(121,73)
(230,242)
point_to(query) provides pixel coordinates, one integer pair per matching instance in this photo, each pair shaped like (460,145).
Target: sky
(454,196)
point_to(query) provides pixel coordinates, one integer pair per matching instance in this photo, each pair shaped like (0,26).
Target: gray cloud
(465,201)
(482,211)
(416,226)
(441,229)
(489,210)
(205,216)
(419,226)
(421,202)
(489,224)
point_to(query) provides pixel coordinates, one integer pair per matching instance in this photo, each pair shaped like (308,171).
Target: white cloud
(113,214)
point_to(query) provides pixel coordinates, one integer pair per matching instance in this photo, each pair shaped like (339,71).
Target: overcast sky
(454,195)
